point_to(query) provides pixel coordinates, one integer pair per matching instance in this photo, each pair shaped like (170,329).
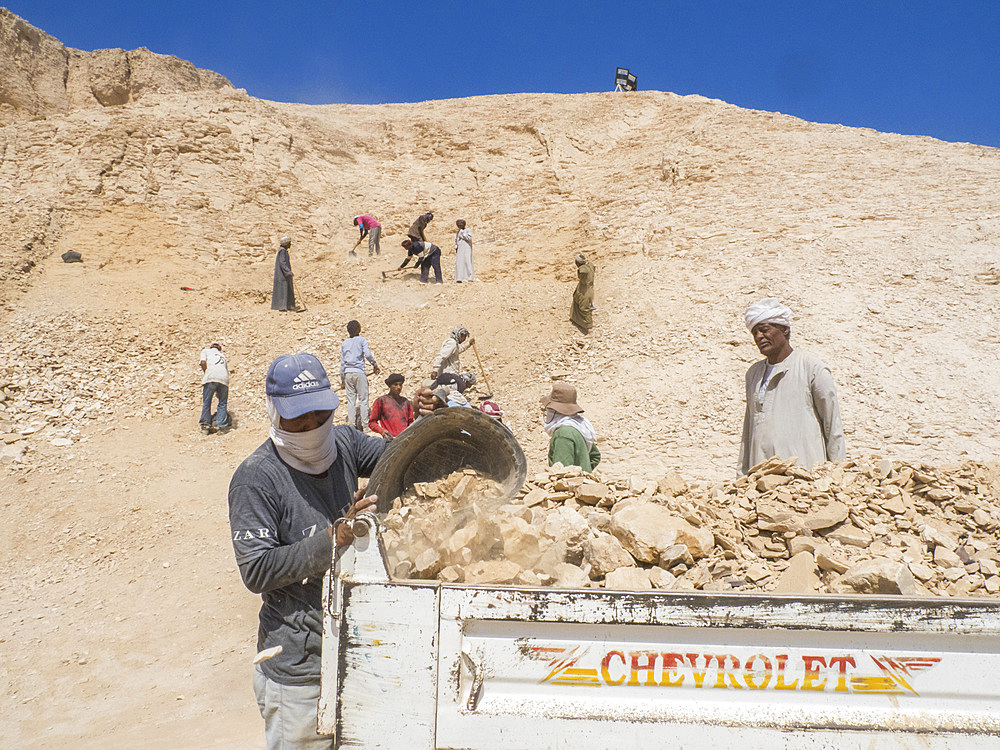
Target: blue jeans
(222,393)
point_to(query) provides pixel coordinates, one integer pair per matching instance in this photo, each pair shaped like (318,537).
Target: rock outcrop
(39,76)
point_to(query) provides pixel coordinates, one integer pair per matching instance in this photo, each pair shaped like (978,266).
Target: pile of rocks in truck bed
(856,526)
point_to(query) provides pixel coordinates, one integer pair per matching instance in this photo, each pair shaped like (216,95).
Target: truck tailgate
(427,665)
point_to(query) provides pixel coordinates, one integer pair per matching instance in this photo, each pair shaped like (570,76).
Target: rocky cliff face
(39,76)
(885,246)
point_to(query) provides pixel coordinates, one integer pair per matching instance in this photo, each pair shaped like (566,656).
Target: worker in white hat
(791,400)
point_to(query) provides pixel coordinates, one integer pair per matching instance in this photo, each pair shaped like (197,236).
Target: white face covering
(555,420)
(312,452)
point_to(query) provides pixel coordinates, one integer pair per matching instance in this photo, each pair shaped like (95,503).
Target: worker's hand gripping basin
(422,664)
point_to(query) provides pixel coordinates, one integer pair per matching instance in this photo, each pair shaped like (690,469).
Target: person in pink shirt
(369,226)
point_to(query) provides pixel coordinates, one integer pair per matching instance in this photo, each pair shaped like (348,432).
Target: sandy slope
(125,622)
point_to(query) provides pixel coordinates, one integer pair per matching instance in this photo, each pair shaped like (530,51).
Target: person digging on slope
(427,256)
(369,226)
(447,359)
(416,230)
(214,382)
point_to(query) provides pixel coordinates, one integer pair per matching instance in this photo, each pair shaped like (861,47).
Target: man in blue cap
(283,500)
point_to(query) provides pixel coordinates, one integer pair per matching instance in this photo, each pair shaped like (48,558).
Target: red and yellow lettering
(749,670)
(648,667)
(758,672)
(841,663)
(812,673)
(780,683)
(720,679)
(670,664)
(606,662)
(699,677)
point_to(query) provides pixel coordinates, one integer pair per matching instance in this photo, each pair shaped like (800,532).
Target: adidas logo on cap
(303,380)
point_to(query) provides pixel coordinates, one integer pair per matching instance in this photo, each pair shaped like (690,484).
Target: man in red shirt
(368,225)
(391,413)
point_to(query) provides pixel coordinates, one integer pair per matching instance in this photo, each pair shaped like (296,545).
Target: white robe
(799,415)
(463,261)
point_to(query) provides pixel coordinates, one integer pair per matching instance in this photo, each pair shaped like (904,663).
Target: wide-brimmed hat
(562,399)
(297,383)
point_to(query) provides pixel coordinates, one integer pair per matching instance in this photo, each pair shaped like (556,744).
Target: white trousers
(356,384)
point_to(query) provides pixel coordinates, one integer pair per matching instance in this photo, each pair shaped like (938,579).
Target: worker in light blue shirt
(353,379)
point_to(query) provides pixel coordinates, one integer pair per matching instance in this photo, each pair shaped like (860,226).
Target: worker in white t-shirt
(214,381)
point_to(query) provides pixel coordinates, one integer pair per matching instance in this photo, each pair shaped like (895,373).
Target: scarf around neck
(554,420)
(311,452)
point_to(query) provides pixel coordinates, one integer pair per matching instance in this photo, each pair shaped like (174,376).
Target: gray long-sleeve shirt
(353,353)
(278,518)
(796,414)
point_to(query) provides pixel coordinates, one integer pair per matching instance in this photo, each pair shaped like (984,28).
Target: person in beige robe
(581,314)
(447,359)
(791,399)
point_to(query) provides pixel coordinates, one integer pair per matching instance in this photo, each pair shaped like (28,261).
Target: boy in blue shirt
(353,379)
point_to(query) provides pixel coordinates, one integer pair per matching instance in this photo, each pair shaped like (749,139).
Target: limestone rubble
(885,246)
(869,526)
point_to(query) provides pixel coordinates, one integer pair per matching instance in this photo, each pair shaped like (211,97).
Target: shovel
(486,380)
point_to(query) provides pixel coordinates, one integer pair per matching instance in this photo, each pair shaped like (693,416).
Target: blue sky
(920,67)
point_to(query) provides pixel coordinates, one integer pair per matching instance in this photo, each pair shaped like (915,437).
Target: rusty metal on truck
(422,664)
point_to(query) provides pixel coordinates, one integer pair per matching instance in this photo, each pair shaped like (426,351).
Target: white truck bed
(421,664)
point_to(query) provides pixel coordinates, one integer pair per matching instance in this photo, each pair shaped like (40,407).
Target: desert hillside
(126,623)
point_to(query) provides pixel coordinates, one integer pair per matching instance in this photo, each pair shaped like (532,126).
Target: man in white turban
(792,408)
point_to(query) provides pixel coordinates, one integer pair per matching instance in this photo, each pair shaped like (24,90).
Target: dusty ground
(124,620)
